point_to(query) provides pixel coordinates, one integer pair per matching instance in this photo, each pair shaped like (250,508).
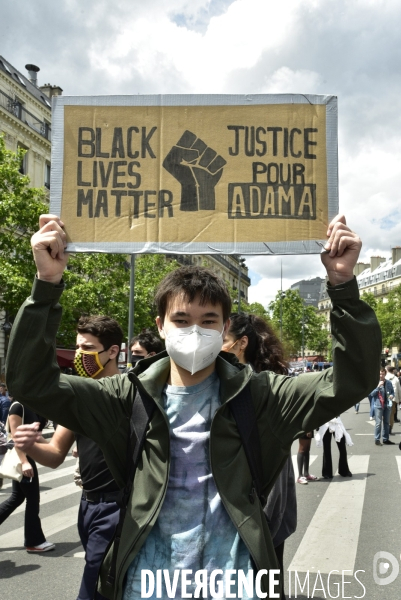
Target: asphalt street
(342,525)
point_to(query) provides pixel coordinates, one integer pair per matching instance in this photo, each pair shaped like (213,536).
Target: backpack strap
(244,414)
(142,411)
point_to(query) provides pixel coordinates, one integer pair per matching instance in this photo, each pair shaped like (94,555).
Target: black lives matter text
(107,176)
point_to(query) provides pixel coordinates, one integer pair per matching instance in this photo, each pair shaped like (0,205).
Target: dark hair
(192,282)
(106,329)
(264,350)
(148,340)
(390,369)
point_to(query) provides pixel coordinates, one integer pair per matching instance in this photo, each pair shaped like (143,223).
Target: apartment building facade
(25,119)
(25,122)
(378,277)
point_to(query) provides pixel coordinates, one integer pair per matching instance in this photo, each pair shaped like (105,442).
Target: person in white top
(323,436)
(397,395)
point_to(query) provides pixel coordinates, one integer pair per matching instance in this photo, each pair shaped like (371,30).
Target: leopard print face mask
(87,363)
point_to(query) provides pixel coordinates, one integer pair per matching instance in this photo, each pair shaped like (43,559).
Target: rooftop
(19,78)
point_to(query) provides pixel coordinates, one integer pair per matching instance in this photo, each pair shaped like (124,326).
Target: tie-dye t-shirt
(193,530)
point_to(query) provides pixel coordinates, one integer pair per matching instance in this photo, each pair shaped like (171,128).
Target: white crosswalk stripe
(342,504)
(50,525)
(398,459)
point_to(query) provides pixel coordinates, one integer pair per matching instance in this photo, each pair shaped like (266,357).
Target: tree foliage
(20,207)
(100,284)
(293,316)
(388,312)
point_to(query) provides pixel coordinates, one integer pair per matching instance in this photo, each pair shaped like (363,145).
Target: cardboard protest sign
(195,174)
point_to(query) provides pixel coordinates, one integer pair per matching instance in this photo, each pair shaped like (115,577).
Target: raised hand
(198,168)
(26,435)
(48,247)
(342,251)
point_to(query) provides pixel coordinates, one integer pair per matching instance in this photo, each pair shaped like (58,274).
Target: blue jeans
(382,414)
(97,523)
(372,407)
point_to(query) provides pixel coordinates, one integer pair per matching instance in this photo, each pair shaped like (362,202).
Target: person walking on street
(5,403)
(334,427)
(145,344)
(28,488)
(382,397)
(254,342)
(98,346)
(390,376)
(303,456)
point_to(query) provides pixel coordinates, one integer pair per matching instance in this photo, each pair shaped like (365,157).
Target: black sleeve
(16,409)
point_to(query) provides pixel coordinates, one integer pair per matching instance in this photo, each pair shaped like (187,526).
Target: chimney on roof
(51,90)
(375,261)
(33,70)
(360,267)
(396,251)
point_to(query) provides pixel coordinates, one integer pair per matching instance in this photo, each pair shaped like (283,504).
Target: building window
(45,129)
(17,108)
(24,162)
(47,175)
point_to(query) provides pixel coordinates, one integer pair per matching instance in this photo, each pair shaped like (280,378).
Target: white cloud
(269,268)
(285,80)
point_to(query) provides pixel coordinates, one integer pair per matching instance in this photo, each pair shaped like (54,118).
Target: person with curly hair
(254,342)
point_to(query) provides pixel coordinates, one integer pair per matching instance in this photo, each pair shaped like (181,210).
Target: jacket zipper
(152,514)
(253,491)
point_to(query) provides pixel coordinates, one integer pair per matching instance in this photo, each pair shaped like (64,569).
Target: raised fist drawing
(198,168)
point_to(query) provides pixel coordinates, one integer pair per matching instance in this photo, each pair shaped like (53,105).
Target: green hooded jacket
(286,407)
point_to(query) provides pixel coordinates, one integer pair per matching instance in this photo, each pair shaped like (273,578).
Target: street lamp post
(241,263)
(6,327)
(303,334)
(131,313)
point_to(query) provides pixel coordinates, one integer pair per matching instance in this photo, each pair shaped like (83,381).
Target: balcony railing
(18,110)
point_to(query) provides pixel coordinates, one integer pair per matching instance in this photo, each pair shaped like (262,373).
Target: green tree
(388,312)
(299,323)
(255,308)
(100,284)
(20,207)
(370,299)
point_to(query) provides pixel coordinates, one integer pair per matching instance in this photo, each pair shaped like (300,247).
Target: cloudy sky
(350,48)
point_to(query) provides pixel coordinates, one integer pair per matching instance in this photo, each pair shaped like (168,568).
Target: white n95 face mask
(193,348)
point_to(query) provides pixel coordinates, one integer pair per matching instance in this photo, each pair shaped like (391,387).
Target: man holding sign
(193,515)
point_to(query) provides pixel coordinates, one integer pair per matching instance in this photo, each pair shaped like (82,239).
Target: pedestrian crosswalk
(340,501)
(55,523)
(342,505)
